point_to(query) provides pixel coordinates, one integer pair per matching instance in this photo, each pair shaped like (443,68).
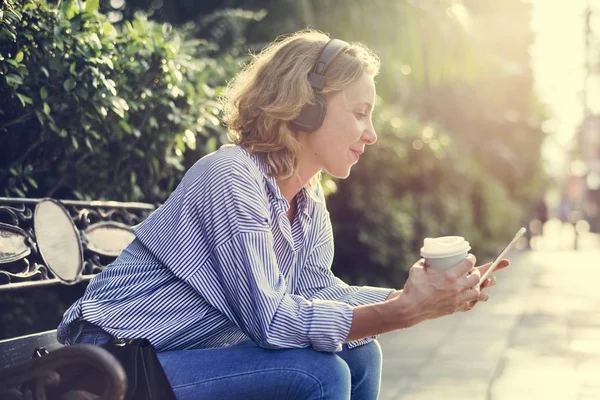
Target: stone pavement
(537,338)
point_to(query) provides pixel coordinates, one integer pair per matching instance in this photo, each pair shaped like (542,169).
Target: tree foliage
(98,111)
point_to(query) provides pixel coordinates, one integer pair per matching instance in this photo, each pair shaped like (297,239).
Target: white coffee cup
(444,252)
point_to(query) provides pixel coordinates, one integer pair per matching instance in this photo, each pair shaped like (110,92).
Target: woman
(230,278)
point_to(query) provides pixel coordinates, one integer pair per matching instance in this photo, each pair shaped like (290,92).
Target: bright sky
(558,62)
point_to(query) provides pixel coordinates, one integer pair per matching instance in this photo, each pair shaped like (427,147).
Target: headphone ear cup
(311,117)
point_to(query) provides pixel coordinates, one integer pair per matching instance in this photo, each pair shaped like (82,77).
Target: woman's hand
(436,293)
(489,281)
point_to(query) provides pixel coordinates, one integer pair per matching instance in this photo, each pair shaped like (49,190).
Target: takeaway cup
(444,252)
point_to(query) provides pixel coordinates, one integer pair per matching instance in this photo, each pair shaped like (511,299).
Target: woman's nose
(370,137)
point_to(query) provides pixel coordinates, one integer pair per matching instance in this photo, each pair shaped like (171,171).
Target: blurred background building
(565,60)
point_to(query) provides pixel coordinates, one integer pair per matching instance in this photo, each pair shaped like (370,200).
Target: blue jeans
(249,372)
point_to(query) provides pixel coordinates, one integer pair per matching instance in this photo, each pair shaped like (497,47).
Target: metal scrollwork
(63,373)
(102,228)
(15,213)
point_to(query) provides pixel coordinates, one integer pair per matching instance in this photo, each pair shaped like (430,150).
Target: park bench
(45,242)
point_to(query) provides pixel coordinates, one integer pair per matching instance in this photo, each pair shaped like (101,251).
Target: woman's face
(346,130)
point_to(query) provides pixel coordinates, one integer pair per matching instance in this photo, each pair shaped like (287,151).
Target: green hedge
(97,111)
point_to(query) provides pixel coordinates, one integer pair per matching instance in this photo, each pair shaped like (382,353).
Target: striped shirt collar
(306,198)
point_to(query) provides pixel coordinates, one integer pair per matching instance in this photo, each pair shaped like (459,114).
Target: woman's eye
(360,115)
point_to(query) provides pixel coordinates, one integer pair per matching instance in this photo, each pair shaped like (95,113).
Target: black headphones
(312,115)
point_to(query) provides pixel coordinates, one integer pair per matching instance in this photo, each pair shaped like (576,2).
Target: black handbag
(146,379)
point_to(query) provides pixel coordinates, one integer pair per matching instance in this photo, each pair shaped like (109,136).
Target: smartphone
(509,246)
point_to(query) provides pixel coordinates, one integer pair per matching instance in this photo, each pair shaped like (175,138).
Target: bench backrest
(19,350)
(46,241)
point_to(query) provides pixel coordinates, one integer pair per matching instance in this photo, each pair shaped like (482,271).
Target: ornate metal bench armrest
(89,371)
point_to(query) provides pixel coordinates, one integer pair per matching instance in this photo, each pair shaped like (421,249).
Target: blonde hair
(272,89)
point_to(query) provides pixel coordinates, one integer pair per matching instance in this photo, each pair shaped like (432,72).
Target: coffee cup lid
(444,246)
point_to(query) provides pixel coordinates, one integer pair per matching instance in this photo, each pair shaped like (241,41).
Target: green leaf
(108,62)
(119,106)
(41,118)
(69,84)
(46,108)
(72,68)
(14,80)
(91,5)
(19,57)
(95,134)
(32,182)
(211,145)
(208,91)
(44,93)
(109,30)
(24,99)
(101,110)
(126,127)
(70,9)
(179,142)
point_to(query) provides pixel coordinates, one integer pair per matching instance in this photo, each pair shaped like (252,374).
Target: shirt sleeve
(214,233)
(251,292)
(317,281)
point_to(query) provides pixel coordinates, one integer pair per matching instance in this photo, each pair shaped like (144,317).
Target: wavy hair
(272,89)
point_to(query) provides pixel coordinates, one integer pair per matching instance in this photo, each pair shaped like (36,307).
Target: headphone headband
(329,52)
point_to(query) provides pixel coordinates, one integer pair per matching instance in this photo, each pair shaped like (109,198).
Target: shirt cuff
(330,325)
(368,295)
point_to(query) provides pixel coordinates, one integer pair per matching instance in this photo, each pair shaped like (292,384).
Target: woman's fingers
(463,267)
(491,281)
(469,281)
(501,265)
(483,296)
(469,295)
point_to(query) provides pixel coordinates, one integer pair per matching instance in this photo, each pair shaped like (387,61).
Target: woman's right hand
(427,294)
(432,293)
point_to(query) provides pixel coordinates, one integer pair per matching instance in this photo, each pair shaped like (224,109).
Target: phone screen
(514,240)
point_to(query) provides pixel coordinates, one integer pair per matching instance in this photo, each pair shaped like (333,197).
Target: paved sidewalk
(537,337)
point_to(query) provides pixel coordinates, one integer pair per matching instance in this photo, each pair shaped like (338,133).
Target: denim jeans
(249,372)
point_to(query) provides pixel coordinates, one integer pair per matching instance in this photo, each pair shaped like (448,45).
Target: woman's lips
(356,154)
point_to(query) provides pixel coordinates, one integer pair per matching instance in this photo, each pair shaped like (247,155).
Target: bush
(96,111)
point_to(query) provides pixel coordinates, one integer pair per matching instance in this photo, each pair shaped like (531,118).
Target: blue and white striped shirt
(219,262)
